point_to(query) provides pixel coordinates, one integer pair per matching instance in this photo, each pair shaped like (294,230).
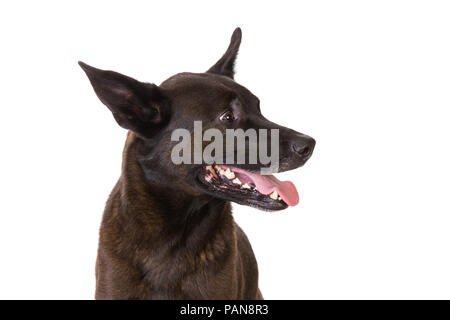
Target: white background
(369,80)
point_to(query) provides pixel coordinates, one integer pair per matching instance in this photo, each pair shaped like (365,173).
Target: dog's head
(188,129)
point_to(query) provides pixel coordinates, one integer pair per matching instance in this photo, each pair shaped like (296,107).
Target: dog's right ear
(225,65)
(140,107)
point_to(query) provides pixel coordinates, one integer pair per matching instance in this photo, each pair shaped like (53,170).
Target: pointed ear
(225,66)
(140,107)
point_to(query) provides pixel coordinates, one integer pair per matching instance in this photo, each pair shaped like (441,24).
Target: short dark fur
(166,233)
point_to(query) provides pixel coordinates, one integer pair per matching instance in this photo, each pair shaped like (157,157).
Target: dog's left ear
(137,106)
(225,66)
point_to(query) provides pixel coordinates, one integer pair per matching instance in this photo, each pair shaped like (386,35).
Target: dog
(167,230)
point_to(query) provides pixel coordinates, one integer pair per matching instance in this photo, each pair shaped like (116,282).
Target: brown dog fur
(166,232)
(139,259)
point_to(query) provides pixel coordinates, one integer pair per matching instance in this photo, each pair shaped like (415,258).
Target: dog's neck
(179,218)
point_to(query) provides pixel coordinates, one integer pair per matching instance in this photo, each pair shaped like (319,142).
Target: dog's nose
(304,146)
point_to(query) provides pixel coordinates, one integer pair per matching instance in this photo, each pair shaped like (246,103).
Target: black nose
(304,146)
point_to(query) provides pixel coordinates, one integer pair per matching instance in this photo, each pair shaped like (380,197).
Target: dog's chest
(206,273)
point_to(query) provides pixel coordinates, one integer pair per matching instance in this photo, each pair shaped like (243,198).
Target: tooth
(213,173)
(230,175)
(279,198)
(246,186)
(274,195)
(237,181)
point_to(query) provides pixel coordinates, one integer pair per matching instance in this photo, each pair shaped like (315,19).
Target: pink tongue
(266,184)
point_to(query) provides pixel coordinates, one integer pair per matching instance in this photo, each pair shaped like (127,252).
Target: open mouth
(244,187)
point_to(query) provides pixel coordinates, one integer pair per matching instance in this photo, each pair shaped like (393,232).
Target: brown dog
(167,230)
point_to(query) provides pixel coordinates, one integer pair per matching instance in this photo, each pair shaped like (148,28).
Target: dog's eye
(227,117)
